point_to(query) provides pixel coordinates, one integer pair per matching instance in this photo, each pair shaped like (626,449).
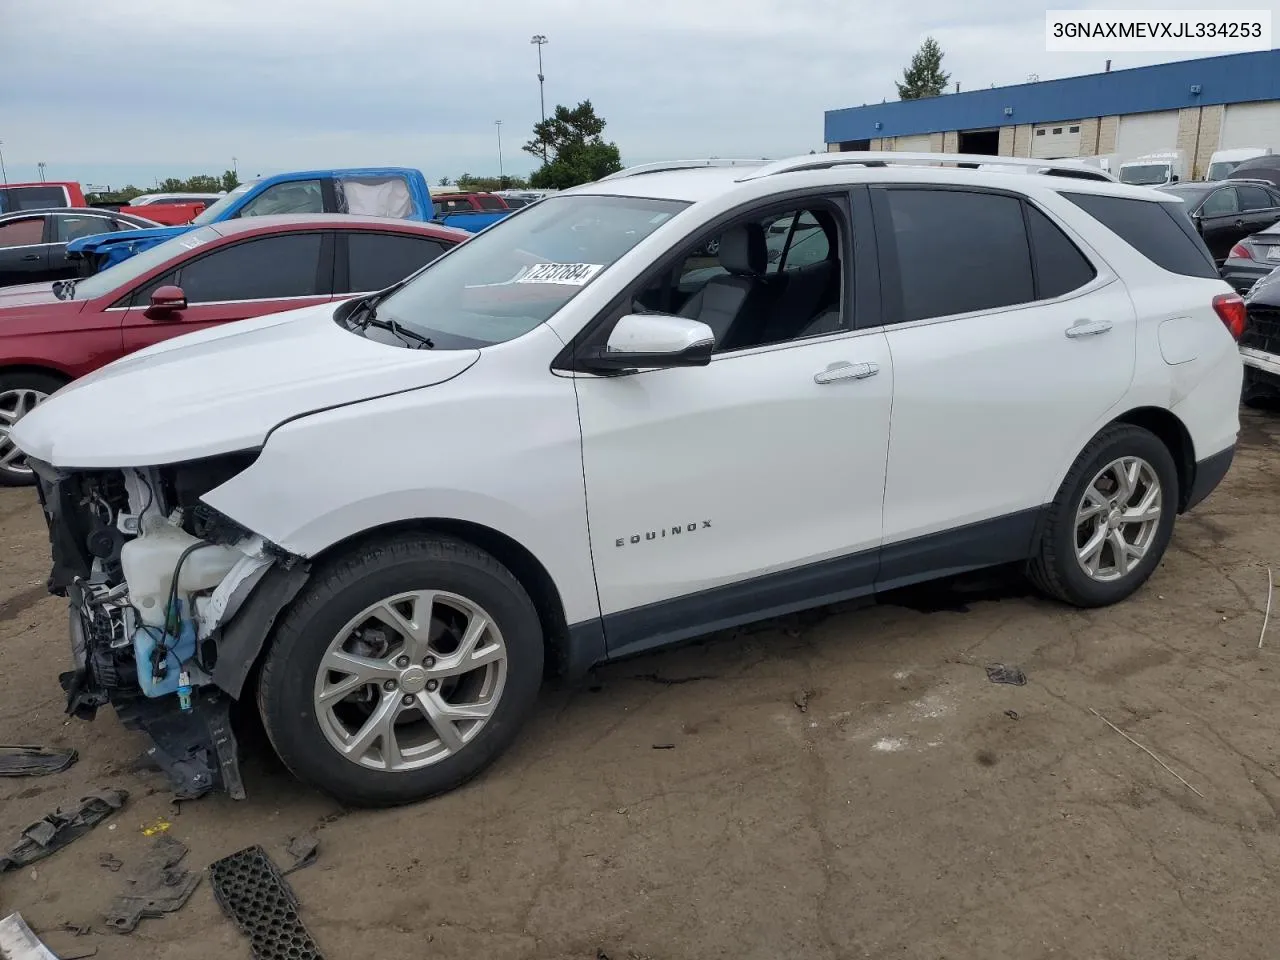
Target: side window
(1220,203)
(375,196)
(302,196)
(959,251)
(741,284)
(1161,232)
(68,228)
(33,198)
(454,205)
(263,269)
(1060,266)
(490,203)
(1254,198)
(377,260)
(22,233)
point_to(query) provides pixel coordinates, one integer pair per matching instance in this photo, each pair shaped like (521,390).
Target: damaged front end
(168,607)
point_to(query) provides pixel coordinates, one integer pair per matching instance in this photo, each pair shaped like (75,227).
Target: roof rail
(864,158)
(1257,180)
(664,165)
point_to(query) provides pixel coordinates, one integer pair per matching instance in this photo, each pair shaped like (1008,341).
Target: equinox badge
(678,530)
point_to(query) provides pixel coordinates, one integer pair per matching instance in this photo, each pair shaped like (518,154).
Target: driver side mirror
(642,341)
(166,301)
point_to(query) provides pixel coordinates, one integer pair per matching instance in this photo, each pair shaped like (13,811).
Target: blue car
(397,192)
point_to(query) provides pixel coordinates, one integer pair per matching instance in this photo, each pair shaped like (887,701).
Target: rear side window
(1254,198)
(491,203)
(1060,266)
(959,252)
(68,228)
(22,233)
(1220,203)
(31,198)
(1161,232)
(377,260)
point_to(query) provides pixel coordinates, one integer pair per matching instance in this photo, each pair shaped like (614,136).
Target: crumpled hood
(27,295)
(148,237)
(222,390)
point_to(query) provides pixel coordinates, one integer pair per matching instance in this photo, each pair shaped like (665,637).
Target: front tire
(1111,522)
(20,393)
(403,670)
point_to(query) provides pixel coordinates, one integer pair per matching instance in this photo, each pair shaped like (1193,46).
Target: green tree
(924,77)
(443,182)
(574,149)
(230,180)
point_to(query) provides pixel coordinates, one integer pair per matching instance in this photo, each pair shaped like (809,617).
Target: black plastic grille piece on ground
(251,891)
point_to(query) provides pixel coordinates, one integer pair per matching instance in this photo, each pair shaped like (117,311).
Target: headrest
(743,249)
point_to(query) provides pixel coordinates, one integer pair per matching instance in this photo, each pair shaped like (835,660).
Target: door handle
(843,370)
(32,256)
(1088,328)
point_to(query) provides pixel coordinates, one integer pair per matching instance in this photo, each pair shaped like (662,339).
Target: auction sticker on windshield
(572,274)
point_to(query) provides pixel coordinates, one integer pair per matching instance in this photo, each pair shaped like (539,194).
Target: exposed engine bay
(153,576)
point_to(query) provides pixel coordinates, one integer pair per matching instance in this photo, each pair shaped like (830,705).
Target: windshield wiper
(371,319)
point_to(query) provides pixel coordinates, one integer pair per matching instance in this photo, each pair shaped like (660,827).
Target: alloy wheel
(15,404)
(1118,518)
(410,680)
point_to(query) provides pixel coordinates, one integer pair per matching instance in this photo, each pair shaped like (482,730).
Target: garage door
(916,144)
(1251,125)
(1142,133)
(1054,141)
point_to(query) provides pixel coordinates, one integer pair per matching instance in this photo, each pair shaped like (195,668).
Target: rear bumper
(1260,360)
(1209,473)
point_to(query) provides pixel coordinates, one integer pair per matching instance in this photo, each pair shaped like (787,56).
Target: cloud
(143,90)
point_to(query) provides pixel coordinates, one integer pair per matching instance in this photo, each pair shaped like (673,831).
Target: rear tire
(396,725)
(1125,473)
(20,393)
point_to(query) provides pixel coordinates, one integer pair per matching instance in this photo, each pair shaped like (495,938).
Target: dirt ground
(842,784)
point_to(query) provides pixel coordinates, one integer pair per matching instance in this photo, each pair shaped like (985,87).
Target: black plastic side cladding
(241,640)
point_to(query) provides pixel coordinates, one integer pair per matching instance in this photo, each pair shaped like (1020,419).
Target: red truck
(39,196)
(15,197)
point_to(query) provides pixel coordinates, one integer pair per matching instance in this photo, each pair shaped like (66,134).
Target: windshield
(503,282)
(1145,174)
(125,272)
(214,211)
(1222,169)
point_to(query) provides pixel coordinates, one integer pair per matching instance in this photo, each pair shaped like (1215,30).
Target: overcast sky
(118,91)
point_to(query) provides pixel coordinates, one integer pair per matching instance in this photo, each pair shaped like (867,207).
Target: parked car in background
(1260,342)
(1266,167)
(1155,169)
(33,244)
(396,192)
(40,196)
(472,211)
(1225,212)
(1224,162)
(1252,259)
(52,333)
(542,450)
(148,199)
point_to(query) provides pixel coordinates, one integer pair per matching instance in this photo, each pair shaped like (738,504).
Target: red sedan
(52,333)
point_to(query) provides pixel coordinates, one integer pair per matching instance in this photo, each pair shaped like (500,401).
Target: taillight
(1240,252)
(1232,312)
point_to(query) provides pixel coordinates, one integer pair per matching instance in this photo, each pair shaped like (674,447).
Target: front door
(1222,222)
(24,254)
(248,279)
(1010,344)
(751,486)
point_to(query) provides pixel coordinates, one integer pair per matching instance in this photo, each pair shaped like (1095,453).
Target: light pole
(4,176)
(502,180)
(539,40)
(40,167)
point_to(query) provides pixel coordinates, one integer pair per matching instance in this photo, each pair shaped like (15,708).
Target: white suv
(551,447)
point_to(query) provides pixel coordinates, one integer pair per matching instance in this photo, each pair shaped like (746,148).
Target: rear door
(1008,342)
(24,250)
(367,261)
(1259,206)
(256,276)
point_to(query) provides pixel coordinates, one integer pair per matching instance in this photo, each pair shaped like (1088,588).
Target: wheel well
(1174,435)
(33,368)
(524,566)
